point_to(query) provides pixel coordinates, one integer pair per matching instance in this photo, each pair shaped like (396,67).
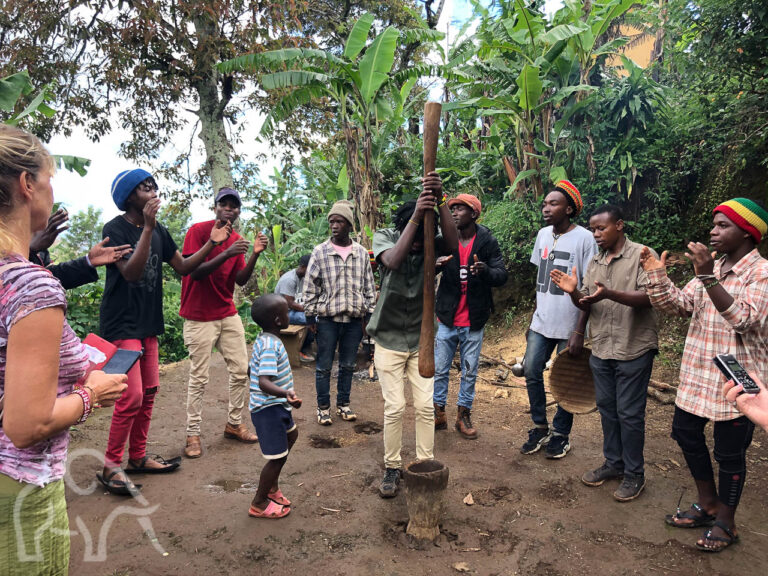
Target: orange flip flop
(273,510)
(278,497)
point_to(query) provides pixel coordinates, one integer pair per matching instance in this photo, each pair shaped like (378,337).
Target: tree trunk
(360,186)
(212,105)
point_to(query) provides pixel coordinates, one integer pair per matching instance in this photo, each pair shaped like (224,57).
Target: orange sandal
(278,498)
(273,510)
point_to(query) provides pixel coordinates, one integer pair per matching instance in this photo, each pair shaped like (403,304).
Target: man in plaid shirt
(339,294)
(728,306)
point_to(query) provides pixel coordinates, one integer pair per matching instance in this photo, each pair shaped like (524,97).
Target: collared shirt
(396,321)
(337,288)
(620,332)
(741,330)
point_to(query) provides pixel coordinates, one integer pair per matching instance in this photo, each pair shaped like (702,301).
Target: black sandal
(170,465)
(729,539)
(696,514)
(118,487)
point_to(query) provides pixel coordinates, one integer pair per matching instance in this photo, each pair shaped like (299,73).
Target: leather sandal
(696,514)
(168,465)
(118,487)
(724,542)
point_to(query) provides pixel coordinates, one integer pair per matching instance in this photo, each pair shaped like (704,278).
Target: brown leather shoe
(464,423)
(441,422)
(193,449)
(240,433)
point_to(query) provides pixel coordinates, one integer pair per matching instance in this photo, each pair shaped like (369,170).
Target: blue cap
(227,191)
(125,183)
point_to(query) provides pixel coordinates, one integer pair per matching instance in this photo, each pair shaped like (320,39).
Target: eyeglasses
(148,185)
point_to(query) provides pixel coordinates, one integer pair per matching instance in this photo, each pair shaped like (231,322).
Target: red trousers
(133,411)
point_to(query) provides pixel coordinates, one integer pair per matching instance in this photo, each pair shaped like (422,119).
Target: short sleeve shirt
(269,358)
(210,298)
(290,285)
(134,310)
(26,288)
(396,320)
(555,315)
(620,332)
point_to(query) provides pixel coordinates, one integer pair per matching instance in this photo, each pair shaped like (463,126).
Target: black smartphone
(732,370)
(122,361)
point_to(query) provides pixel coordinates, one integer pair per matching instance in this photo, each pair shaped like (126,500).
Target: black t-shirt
(134,310)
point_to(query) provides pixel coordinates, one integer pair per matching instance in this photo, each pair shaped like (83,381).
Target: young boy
(131,317)
(272,397)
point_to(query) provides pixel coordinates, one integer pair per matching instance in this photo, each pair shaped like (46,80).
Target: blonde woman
(42,371)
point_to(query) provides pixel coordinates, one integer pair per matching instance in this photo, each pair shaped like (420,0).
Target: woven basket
(570,380)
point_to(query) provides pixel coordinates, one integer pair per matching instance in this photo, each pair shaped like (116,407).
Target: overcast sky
(77,192)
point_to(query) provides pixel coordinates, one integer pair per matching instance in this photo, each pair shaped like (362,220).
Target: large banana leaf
(530,87)
(293,79)
(358,36)
(12,88)
(563,32)
(262,61)
(377,62)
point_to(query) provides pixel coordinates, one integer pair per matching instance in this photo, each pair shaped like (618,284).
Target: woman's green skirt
(34,529)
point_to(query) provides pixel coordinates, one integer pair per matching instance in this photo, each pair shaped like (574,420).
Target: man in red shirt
(211,319)
(463,305)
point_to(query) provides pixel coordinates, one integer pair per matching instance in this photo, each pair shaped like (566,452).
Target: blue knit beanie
(125,183)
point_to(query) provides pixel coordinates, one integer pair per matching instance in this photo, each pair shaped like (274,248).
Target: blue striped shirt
(269,358)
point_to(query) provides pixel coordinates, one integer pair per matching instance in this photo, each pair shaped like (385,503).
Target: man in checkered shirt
(339,297)
(727,302)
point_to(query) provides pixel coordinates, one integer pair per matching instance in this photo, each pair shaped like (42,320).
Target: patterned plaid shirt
(741,330)
(339,289)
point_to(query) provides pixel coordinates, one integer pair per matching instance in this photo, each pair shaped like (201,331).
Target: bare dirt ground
(531,515)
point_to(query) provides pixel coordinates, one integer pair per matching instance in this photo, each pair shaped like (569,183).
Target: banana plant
(531,76)
(360,83)
(18,87)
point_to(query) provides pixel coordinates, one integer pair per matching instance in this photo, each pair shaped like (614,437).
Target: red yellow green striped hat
(747,215)
(571,192)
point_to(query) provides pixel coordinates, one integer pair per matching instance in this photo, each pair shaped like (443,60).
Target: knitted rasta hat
(571,192)
(125,183)
(747,215)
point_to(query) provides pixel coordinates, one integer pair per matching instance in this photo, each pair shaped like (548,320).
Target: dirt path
(531,515)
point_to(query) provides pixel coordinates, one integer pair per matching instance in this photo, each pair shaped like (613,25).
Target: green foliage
(83,307)
(84,232)
(171,343)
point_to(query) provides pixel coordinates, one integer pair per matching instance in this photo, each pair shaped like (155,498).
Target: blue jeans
(621,390)
(347,336)
(296,317)
(469,343)
(538,351)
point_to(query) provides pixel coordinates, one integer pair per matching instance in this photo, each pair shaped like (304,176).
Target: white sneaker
(346,413)
(324,416)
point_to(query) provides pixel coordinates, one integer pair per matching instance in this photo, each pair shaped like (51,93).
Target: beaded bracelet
(412,221)
(711,284)
(443,201)
(87,406)
(705,277)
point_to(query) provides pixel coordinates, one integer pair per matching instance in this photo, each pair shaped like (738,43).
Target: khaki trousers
(392,368)
(228,336)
